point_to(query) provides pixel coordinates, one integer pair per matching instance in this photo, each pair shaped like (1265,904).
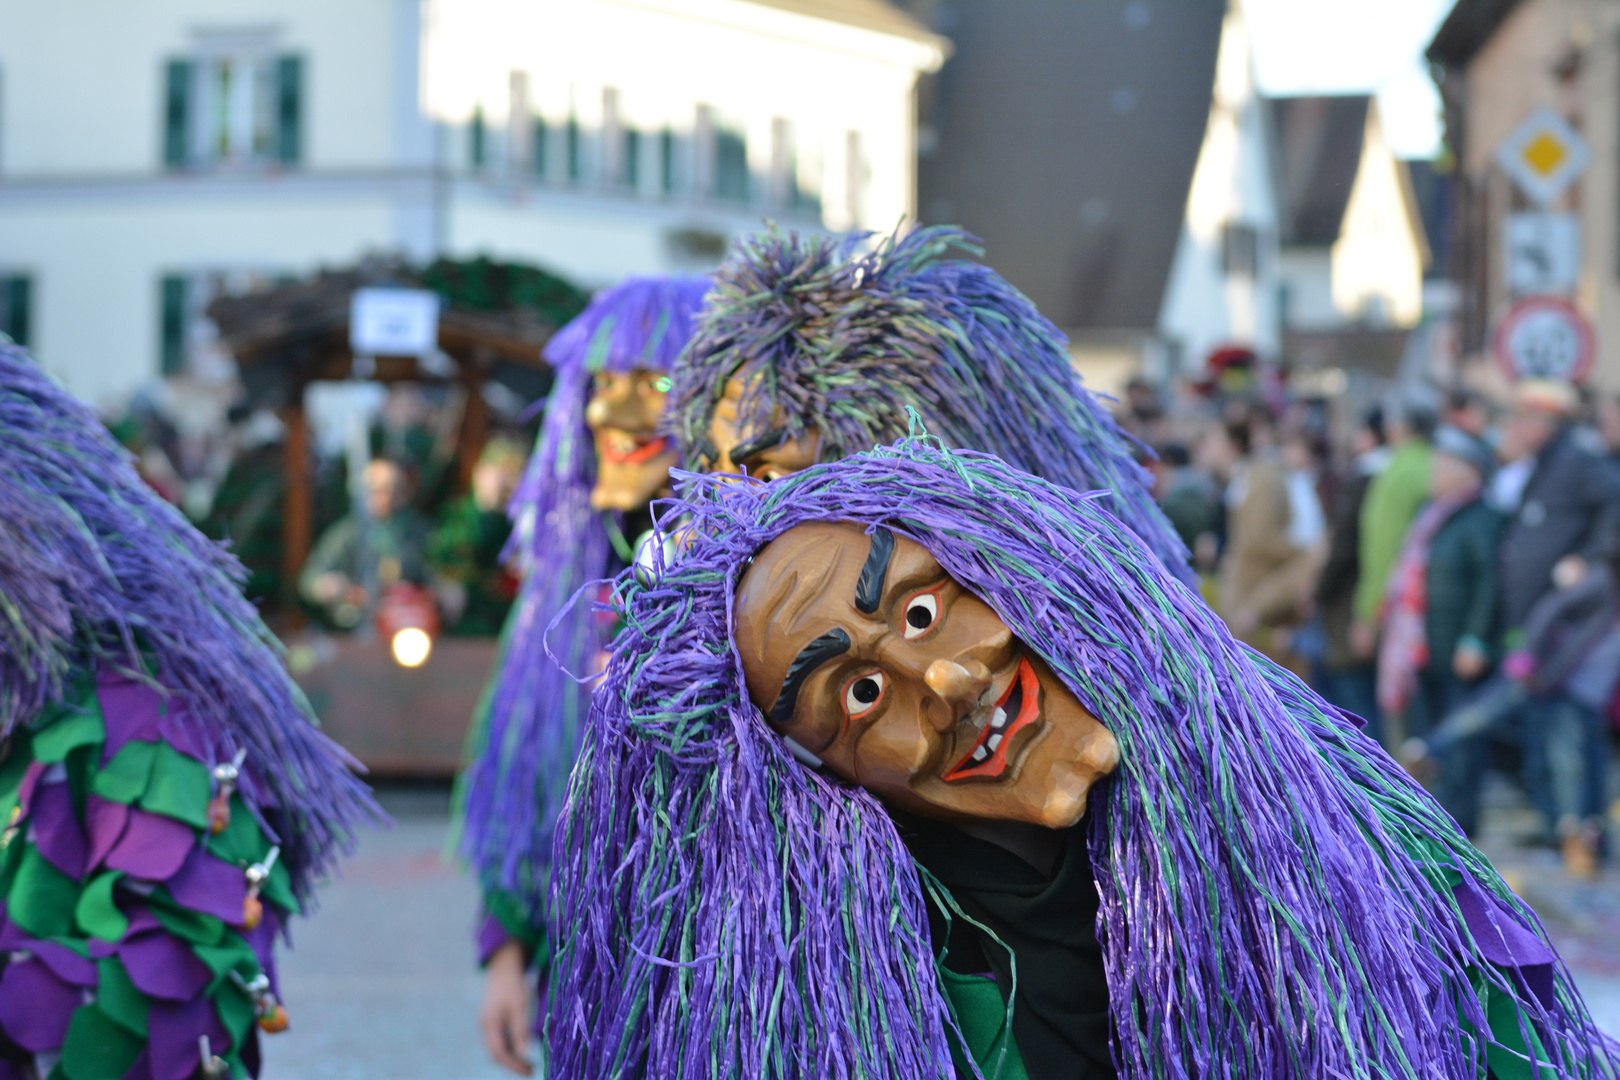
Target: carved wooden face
(766,454)
(632,459)
(865,653)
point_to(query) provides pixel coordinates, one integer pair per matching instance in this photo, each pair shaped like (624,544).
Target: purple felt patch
(142,1068)
(35,1005)
(25,791)
(208,885)
(141,920)
(1501,937)
(174,1030)
(12,936)
(152,847)
(163,967)
(130,711)
(491,936)
(181,730)
(64,963)
(55,829)
(262,940)
(13,1070)
(104,821)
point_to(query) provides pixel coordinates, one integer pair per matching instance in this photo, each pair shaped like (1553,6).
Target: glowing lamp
(412,646)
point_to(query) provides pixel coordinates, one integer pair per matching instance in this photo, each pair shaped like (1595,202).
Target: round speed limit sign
(1544,337)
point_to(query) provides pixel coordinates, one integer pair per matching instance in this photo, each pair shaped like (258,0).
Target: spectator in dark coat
(1461,581)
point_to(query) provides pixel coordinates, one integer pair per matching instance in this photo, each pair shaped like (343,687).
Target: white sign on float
(1543,252)
(1544,155)
(393,322)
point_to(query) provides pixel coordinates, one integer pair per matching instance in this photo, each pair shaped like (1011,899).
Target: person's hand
(504,1016)
(1468,662)
(1568,571)
(1363,639)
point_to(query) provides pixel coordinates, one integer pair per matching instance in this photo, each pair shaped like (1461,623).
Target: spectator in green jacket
(1393,500)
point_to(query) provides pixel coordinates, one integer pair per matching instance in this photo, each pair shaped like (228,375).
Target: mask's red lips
(644,451)
(1016,710)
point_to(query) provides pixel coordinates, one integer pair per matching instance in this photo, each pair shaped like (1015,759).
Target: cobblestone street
(381,985)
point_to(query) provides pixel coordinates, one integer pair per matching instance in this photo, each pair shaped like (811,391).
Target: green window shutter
(731,166)
(666,161)
(542,139)
(572,133)
(15,298)
(290,110)
(177,83)
(172,319)
(632,159)
(479,148)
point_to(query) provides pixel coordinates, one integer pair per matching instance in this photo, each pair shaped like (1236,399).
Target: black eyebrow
(869,589)
(834,643)
(768,441)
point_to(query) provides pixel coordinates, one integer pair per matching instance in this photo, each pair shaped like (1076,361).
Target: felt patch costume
(167,802)
(813,348)
(596,463)
(1275,897)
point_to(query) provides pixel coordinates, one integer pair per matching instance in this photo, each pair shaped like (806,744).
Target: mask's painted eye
(862,693)
(769,473)
(662,385)
(922,611)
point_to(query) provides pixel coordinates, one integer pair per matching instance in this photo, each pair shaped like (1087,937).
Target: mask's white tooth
(995,741)
(998,719)
(980,753)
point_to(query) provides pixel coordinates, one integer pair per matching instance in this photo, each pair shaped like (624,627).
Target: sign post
(393,322)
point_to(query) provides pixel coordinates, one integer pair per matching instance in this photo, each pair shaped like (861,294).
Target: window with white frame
(237,100)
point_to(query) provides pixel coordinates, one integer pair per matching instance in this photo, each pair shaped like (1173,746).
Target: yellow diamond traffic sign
(1544,155)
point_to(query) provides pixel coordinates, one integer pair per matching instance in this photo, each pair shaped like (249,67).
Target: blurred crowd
(1441,564)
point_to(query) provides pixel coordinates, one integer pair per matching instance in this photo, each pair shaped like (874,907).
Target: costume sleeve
(332,552)
(505,920)
(1392,501)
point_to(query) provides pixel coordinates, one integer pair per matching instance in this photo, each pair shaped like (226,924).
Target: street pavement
(380,982)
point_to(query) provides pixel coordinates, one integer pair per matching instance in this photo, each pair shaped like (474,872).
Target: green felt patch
(96,913)
(119,999)
(179,787)
(125,777)
(235,1010)
(278,889)
(41,898)
(231,954)
(97,1048)
(241,843)
(12,767)
(79,726)
(182,922)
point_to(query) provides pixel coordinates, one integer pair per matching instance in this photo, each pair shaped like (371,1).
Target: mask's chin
(629,487)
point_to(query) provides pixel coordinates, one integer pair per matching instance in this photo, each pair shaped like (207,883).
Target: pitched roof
(867,14)
(1318,150)
(1066,139)
(1467,29)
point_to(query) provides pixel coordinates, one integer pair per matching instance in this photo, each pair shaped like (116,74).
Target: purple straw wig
(524,743)
(1278,899)
(97,570)
(842,342)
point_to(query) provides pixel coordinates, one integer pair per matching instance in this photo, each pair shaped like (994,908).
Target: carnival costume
(820,343)
(528,727)
(167,802)
(1274,897)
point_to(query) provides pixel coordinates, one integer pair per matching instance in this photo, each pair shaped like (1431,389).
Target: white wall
(1307,273)
(1379,256)
(1203,306)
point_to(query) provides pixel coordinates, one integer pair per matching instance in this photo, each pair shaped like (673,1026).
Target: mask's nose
(959,685)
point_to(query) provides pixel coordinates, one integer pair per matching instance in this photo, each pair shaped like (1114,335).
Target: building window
(1240,249)
(172,324)
(187,337)
(242,107)
(731,165)
(632,159)
(16,308)
(666,161)
(540,139)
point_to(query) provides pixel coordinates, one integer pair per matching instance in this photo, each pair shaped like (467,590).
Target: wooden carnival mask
(861,650)
(632,459)
(767,455)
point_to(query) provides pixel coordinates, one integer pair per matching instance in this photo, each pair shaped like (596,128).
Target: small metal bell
(257,875)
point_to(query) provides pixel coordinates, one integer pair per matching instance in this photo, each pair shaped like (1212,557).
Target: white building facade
(1223,283)
(154,152)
